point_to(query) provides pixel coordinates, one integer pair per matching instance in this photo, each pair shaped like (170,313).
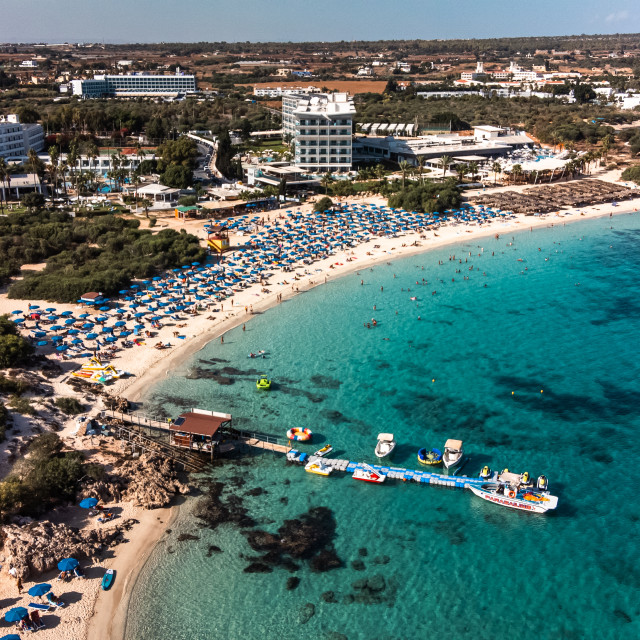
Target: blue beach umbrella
(52,317)
(111,339)
(11,636)
(16,614)
(140,314)
(39,589)
(69,321)
(42,343)
(92,336)
(66,313)
(69,564)
(17,311)
(56,327)
(87,503)
(56,338)
(40,334)
(83,315)
(50,309)
(104,308)
(76,341)
(18,320)
(87,325)
(120,323)
(62,347)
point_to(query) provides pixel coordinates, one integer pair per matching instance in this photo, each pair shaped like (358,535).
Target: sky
(130,21)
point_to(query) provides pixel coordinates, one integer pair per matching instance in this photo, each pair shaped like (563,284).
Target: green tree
(326,180)
(177,176)
(404,167)
(33,200)
(323,204)
(496,167)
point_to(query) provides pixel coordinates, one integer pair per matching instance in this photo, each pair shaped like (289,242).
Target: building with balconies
(16,139)
(320,125)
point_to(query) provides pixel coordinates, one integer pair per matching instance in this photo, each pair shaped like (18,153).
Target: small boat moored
(431,457)
(263,382)
(299,434)
(107,579)
(324,451)
(319,468)
(368,474)
(452,453)
(486,473)
(385,446)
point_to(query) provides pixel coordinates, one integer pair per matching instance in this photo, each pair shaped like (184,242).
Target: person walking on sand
(19,584)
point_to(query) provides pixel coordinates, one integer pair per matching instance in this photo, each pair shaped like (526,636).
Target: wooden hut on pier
(198,430)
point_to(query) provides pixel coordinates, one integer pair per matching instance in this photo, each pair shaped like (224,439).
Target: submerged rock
(334,635)
(306,612)
(258,567)
(357,565)
(212,511)
(362,552)
(187,536)
(329,596)
(381,560)
(257,491)
(213,548)
(292,583)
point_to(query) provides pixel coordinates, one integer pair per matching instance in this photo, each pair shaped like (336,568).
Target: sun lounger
(53,602)
(38,606)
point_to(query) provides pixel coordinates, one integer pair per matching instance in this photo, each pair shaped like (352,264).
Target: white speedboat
(524,499)
(452,453)
(386,445)
(514,491)
(368,474)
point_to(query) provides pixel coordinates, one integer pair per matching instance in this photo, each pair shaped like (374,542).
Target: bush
(47,477)
(152,221)
(324,204)
(14,349)
(70,406)
(187,201)
(22,405)
(632,174)
(428,197)
(13,386)
(32,200)
(4,421)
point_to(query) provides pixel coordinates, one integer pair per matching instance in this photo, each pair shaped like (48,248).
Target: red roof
(199,424)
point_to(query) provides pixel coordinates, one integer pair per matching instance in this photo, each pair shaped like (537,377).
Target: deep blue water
(537,371)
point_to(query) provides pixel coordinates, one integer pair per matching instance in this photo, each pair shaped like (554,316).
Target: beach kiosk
(187,212)
(198,430)
(217,238)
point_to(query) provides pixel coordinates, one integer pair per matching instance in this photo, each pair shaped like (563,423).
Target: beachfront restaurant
(199,430)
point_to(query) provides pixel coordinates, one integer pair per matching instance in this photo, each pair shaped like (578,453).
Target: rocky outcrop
(147,482)
(37,547)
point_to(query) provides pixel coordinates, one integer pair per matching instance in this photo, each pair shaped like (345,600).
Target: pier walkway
(397,473)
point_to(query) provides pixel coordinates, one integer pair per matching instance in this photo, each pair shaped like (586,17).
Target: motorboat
(452,453)
(385,446)
(368,474)
(429,457)
(300,434)
(324,451)
(508,491)
(263,382)
(319,468)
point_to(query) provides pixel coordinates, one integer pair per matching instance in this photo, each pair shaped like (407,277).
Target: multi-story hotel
(320,125)
(104,86)
(16,139)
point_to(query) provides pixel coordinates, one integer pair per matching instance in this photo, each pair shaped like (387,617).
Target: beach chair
(37,606)
(53,601)
(107,517)
(78,574)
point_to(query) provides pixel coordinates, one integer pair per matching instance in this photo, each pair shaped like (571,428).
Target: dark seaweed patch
(325,382)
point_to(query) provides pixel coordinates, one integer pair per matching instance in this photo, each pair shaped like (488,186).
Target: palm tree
(496,167)
(473,168)
(445,163)
(379,170)
(421,162)
(461,170)
(404,167)
(63,168)
(93,153)
(54,156)
(72,158)
(516,172)
(4,172)
(325,181)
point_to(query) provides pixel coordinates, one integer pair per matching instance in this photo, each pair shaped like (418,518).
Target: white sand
(146,364)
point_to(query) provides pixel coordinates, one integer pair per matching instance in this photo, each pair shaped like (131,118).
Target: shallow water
(536,371)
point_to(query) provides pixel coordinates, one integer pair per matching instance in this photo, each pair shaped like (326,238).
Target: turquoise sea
(533,361)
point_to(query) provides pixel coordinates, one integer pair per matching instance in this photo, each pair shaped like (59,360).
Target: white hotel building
(134,85)
(321,127)
(16,139)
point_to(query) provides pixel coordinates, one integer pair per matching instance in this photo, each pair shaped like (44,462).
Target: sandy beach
(94,614)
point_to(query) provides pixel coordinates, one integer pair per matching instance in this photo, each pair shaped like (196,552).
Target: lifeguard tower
(217,238)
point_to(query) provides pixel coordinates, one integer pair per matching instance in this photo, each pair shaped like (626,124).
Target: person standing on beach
(19,584)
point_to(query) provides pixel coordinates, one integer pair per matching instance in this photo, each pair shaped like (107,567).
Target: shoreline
(108,619)
(109,610)
(135,388)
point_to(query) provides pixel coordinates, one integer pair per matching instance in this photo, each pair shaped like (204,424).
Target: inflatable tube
(299,434)
(512,493)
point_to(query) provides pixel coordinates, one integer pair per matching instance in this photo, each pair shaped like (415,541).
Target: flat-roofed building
(321,125)
(16,138)
(132,85)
